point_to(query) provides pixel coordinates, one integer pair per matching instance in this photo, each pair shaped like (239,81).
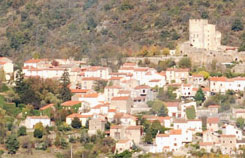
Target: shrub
(237,25)
(22,131)
(38,133)
(76,123)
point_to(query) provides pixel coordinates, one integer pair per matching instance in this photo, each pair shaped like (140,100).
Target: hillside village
(140,109)
(72,108)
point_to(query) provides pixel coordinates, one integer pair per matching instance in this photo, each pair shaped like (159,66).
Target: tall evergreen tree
(200,97)
(65,92)
(19,82)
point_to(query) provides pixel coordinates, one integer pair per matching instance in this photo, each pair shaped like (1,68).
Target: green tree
(191,112)
(185,62)
(124,154)
(76,123)
(200,96)
(38,130)
(65,92)
(237,25)
(12,144)
(163,111)
(38,133)
(240,122)
(100,85)
(148,137)
(159,108)
(22,131)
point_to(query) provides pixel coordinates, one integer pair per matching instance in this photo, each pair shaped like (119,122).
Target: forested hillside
(106,28)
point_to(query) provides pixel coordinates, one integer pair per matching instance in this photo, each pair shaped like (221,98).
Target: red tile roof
(79,90)
(155,80)
(116,127)
(175,132)
(134,127)
(78,116)
(121,98)
(46,107)
(34,60)
(91,95)
(220,79)
(112,110)
(230,136)
(142,87)
(213,120)
(71,103)
(172,104)
(162,135)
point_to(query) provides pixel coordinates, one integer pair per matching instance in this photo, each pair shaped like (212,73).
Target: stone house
(228,144)
(122,104)
(212,123)
(95,125)
(122,145)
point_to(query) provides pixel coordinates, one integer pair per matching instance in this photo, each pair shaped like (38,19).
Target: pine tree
(199,95)
(65,92)
(19,82)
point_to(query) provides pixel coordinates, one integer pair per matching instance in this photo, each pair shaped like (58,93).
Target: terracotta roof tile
(46,107)
(121,98)
(71,103)
(213,120)
(175,132)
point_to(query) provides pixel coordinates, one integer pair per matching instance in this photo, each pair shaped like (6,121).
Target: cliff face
(106,28)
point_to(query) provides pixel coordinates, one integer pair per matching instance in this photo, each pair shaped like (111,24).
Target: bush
(191,113)
(22,131)
(185,62)
(237,25)
(76,123)
(38,133)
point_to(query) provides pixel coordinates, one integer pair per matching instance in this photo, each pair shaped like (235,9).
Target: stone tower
(204,35)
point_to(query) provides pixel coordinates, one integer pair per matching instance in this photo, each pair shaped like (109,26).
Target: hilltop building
(204,35)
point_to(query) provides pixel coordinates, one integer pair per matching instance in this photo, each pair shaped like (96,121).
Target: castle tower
(204,35)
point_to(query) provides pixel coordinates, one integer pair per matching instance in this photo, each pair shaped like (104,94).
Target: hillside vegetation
(107,28)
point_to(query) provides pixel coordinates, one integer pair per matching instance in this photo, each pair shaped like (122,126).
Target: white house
(31,121)
(82,118)
(97,71)
(7,66)
(171,141)
(174,75)
(232,130)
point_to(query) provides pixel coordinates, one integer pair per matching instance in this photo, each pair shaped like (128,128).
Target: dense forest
(108,28)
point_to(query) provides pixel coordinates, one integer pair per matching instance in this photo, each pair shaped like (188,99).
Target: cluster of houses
(127,93)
